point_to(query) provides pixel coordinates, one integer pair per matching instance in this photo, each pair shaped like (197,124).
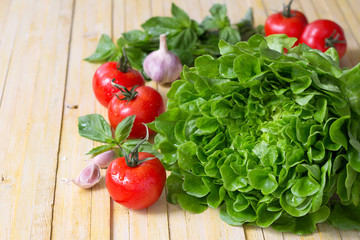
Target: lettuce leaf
(270,139)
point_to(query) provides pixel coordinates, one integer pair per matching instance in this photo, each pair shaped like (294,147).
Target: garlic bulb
(88,177)
(162,66)
(104,159)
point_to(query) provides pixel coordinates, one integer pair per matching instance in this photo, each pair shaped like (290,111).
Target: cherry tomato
(136,187)
(122,73)
(323,34)
(143,101)
(289,22)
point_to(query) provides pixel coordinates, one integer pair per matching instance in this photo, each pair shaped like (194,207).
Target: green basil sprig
(185,37)
(269,139)
(95,127)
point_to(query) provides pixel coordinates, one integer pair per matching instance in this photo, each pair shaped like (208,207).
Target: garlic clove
(162,65)
(104,159)
(88,177)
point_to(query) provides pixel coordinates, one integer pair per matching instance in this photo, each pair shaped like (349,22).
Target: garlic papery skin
(88,177)
(104,159)
(162,65)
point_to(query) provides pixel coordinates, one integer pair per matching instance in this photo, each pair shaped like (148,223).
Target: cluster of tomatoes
(122,91)
(320,34)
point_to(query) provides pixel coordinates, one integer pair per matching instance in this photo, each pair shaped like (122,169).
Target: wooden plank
(7,14)
(11,12)
(100,199)
(120,217)
(26,194)
(77,214)
(350,234)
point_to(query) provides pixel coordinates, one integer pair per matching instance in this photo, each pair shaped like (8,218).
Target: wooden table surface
(42,47)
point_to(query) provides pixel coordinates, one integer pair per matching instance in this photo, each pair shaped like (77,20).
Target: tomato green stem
(333,39)
(128,94)
(123,64)
(132,159)
(287,10)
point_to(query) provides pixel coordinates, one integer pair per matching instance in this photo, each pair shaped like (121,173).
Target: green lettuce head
(269,139)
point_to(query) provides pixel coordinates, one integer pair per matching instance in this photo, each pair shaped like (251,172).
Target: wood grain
(73,215)
(42,47)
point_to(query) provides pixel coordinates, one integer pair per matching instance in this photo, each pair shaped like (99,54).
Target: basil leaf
(135,36)
(100,149)
(124,128)
(156,26)
(217,19)
(104,50)
(185,39)
(180,15)
(95,127)
(229,34)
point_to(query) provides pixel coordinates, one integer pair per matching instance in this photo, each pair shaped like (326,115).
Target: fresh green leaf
(100,149)
(262,180)
(123,129)
(95,127)
(195,186)
(104,50)
(180,15)
(269,138)
(345,217)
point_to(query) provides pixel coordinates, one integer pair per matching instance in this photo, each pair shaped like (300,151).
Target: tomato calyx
(123,64)
(128,94)
(287,10)
(132,159)
(333,39)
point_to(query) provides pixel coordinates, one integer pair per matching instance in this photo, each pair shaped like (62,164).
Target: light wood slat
(260,12)
(38,58)
(10,169)
(253,233)
(6,20)
(11,14)
(119,215)
(75,216)
(31,109)
(100,199)
(349,10)
(350,234)
(5,6)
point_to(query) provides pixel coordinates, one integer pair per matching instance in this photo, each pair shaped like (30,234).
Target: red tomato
(323,34)
(102,87)
(136,187)
(146,105)
(289,22)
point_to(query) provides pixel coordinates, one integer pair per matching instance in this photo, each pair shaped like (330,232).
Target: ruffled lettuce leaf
(270,139)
